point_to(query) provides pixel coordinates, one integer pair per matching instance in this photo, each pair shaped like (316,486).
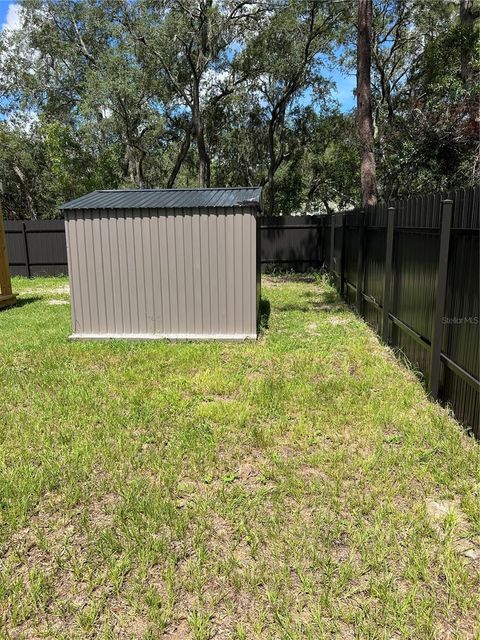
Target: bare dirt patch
(61,290)
(53,547)
(178,631)
(465,544)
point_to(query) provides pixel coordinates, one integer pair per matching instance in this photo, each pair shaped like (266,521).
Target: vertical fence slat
(25,244)
(446,224)
(360,261)
(323,240)
(387,282)
(342,258)
(319,247)
(5,283)
(332,243)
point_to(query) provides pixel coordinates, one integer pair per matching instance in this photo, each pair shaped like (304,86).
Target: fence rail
(412,271)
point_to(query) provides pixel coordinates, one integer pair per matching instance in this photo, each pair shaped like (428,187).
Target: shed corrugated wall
(150,273)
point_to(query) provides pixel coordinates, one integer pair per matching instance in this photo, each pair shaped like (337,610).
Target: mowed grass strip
(302,486)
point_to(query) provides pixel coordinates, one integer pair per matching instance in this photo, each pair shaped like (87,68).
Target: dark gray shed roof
(167,198)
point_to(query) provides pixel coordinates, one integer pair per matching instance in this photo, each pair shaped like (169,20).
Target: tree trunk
(139,170)
(271,169)
(26,191)
(128,164)
(198,131)
(467,19)
(180,158)
(204,158)
(364,104)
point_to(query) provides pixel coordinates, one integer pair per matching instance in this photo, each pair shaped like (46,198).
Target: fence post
(342,259)
(360,261)
(387,282)
(5,282)
(319,243)
(25,244)
(332,243)
(441,292)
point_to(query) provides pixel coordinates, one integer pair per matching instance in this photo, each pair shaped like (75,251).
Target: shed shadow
(263,315)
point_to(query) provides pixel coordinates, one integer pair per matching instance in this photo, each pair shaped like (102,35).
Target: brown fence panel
(422,257)
(291,242)
(16,247)
(350,255)
(36,247)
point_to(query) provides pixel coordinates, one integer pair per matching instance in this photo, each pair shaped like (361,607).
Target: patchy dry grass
(298,487)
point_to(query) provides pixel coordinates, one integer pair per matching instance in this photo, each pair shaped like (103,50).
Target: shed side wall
(175,273)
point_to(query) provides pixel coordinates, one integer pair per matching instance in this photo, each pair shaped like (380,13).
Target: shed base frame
(174,337)
(7,300)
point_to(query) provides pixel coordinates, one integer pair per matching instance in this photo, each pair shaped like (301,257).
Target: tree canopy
(156,93)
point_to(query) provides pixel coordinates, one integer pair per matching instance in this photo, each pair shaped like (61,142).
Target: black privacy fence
(38,247)
(412,271)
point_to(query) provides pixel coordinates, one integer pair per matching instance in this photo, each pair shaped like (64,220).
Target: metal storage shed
(164,263)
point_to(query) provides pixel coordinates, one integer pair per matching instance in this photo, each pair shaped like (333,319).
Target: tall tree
(364,103)
(189,44)
(85,73)
(425,88)
(115,93)
(284,59)
(469,14)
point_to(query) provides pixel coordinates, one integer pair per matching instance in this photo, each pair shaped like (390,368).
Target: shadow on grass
(263,315)
(294,277)
(328,301)
(21,302)
(304,308)
(331,297)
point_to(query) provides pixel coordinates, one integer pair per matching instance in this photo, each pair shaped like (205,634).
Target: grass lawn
(299,487)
